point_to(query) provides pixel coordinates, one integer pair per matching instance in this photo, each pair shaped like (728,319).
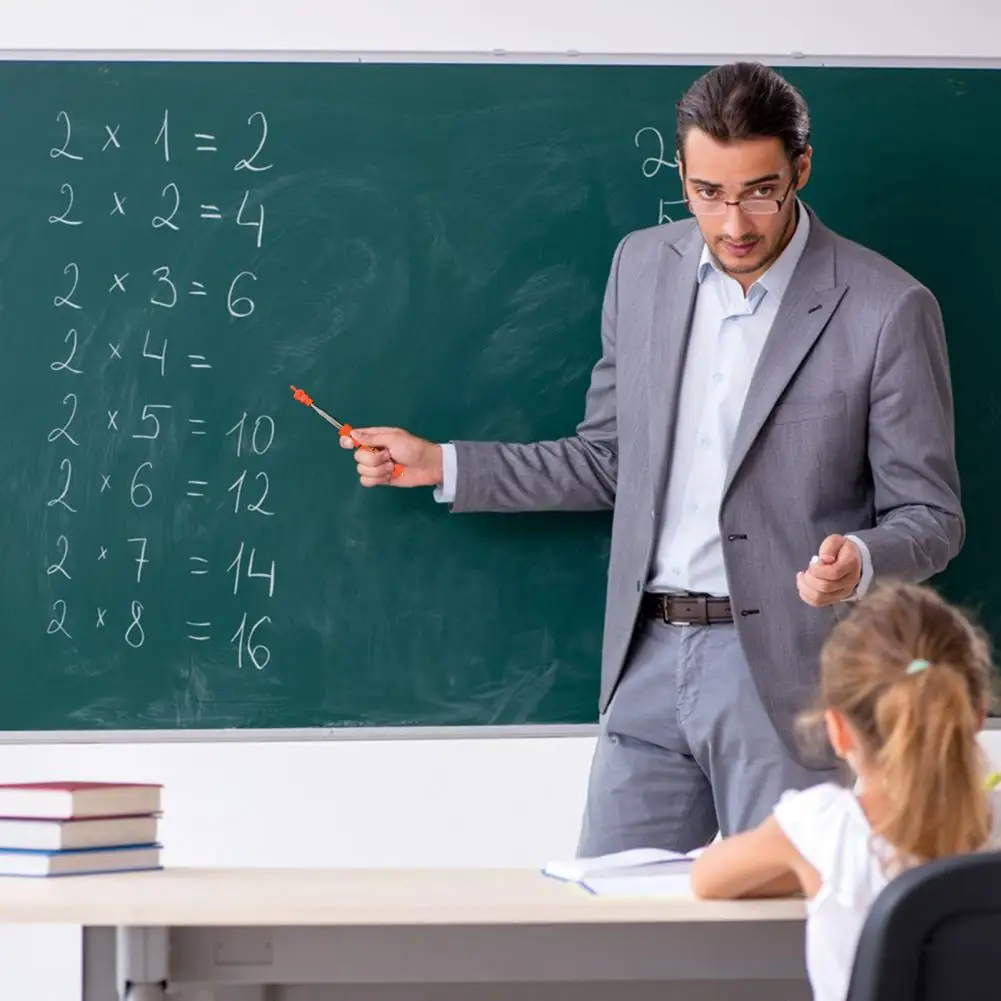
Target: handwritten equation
(651,139)
(79,365)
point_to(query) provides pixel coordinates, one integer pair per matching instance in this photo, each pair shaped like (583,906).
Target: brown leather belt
(687,609)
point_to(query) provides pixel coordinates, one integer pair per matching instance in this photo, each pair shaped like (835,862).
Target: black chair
(934,934)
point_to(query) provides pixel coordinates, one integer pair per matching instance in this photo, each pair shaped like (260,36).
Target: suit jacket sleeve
(576,473)
(919,519)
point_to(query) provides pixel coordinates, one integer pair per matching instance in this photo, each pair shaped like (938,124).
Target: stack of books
(78,828)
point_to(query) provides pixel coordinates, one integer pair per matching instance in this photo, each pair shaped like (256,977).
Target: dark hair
(745,101)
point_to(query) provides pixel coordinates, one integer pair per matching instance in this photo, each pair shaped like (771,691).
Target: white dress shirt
(728,332)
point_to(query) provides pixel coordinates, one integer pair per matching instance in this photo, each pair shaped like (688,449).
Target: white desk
(209,930)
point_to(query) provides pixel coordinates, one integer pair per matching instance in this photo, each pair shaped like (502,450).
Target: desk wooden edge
(290,897)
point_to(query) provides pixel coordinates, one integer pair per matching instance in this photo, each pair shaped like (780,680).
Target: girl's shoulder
(815,802)
(821,822)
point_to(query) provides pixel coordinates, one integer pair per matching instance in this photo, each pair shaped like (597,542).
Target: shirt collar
(776,279)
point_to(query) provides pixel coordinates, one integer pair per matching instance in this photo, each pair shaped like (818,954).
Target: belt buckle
(674,622)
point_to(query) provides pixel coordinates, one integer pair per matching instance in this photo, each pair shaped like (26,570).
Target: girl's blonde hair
(912,676)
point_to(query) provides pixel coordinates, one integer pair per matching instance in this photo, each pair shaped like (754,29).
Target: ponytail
(931,765)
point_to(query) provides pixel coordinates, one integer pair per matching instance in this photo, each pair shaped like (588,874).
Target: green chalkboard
(186,547)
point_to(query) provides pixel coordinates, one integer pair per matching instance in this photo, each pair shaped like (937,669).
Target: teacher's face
(759,183)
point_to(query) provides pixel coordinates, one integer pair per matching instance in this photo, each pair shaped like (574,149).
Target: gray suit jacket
(847,428)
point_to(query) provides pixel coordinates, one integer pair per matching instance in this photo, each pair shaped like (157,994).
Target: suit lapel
(807,306)
(671,321)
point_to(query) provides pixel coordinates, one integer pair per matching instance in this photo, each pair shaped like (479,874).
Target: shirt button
(676,571)
(705,442)
(717,377)
(693,506)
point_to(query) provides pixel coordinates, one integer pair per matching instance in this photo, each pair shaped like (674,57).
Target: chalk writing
(67,366)
(60,567)
(241,305)
(264,426)
(57,624)
(149,414)
(237,564)
(256,506)
(164,135)
(245,639)
(248,164)
(66,189)
(175,194)
(651,138)
(161,357)
(144,452)
(67,300)
(135,635)
(63,150)
(257,223)
(63,432)
(140,492)
(141,560)
(66,468)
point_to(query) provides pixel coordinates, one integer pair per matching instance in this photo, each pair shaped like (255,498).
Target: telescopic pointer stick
(344,430)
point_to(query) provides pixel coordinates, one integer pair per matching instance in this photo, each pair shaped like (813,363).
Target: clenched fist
(834,573)
(421,460)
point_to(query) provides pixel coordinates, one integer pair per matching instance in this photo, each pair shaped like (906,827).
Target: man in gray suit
(771,419)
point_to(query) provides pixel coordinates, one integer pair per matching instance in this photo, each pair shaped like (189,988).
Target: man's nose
(735,221)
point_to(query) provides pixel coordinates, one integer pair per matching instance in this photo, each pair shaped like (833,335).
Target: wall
(427,802)
(352,802)
(901,28)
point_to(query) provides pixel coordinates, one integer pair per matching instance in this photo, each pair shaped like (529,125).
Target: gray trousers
(686,749)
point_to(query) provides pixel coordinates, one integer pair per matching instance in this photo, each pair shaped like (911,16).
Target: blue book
(79,861)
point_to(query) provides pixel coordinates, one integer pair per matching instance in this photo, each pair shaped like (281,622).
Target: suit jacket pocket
(809,409)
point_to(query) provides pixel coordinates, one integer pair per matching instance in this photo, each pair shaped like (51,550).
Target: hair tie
(917,665)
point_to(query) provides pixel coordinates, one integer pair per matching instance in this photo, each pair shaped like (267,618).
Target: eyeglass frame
(741,202)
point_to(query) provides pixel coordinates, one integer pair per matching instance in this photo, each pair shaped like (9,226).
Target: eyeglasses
(749,206)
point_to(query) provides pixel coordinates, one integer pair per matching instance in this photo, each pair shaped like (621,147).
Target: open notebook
(638,872)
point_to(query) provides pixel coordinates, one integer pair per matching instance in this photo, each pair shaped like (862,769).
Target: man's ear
(804,165)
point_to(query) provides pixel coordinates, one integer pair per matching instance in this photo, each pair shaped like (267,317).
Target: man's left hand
(833,574)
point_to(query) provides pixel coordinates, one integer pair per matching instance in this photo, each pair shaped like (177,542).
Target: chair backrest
(934,934)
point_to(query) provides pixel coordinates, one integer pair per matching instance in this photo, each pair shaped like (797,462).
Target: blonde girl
(905,684)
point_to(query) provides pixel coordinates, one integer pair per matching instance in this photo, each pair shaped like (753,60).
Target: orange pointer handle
(345,432)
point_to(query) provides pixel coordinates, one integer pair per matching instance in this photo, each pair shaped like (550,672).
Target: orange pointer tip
(345,431)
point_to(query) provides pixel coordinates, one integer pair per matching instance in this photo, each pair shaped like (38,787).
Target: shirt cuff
(445,493)
(866,579)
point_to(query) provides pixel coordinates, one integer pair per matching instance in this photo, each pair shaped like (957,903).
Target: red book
(78,799)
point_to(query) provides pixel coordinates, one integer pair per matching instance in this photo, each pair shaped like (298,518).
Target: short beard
(770,259)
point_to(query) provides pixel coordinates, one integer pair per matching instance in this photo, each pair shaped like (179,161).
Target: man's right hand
(421,460)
